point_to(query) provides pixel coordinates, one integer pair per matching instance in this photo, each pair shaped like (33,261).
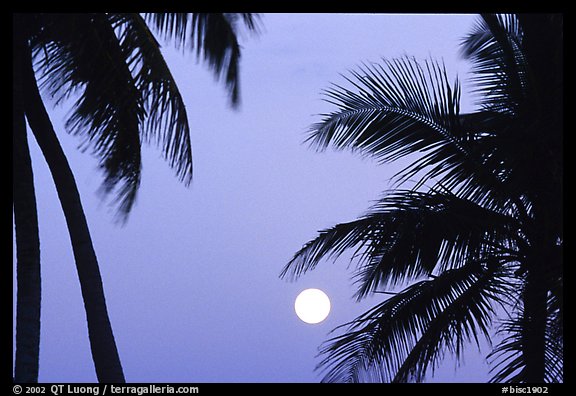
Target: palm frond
(80,54)
(404,336)
(408,235)
(507,356)
(166,118)
(509,363)
(432,232)
(554,347)
(331,243)
(399,108)
(126,94)
(213,36)
(499,67)
(402,107)
(510,359)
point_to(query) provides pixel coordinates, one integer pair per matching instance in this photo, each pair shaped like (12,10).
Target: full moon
(312,306)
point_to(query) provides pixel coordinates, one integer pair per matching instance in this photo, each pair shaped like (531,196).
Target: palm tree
(26,225)
(477,241)
(125,95)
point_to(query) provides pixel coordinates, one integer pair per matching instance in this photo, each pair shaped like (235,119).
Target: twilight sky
(192,279)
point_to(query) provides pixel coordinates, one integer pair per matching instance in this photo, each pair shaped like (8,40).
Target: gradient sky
(192,279)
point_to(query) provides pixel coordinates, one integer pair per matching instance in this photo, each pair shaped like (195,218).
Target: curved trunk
(26,229)
(102,343)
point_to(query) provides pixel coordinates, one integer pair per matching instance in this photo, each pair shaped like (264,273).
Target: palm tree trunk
(542,45)
(535,315)
(535,298)
(102,343)
(26,229)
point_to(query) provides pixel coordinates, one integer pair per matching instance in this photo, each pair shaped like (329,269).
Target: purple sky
(192,280)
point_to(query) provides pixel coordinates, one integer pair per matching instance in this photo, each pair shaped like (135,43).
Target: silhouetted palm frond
(166,119)
(80,54)
(410,234)
(213,36)
(495,49)
(403,107)
(125,93)
(399,339)
(397,108)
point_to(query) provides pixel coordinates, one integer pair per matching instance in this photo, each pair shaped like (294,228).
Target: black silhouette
(125,95)
(478,239)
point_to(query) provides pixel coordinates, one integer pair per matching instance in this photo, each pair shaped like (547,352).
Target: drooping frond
(112,66)
(554,352)
(507,356)
(214,37)
(166,118)
(397,108)
(401,338)
(403,107)
(433,232)
(499,67)
(332,242)
(80,54)
(408,235)
(125,93)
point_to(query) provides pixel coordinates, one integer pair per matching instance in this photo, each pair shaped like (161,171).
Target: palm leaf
(213,36)
(166,122)
(125,91)
(332,243)
(408,333)
(434,232)
(507,356)
(80,53)
(126,95)
(399,108)
(402,107)
(408,235)
(509,363)
(495,49)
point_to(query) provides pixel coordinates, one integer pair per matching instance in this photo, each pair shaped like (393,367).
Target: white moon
(312,306)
